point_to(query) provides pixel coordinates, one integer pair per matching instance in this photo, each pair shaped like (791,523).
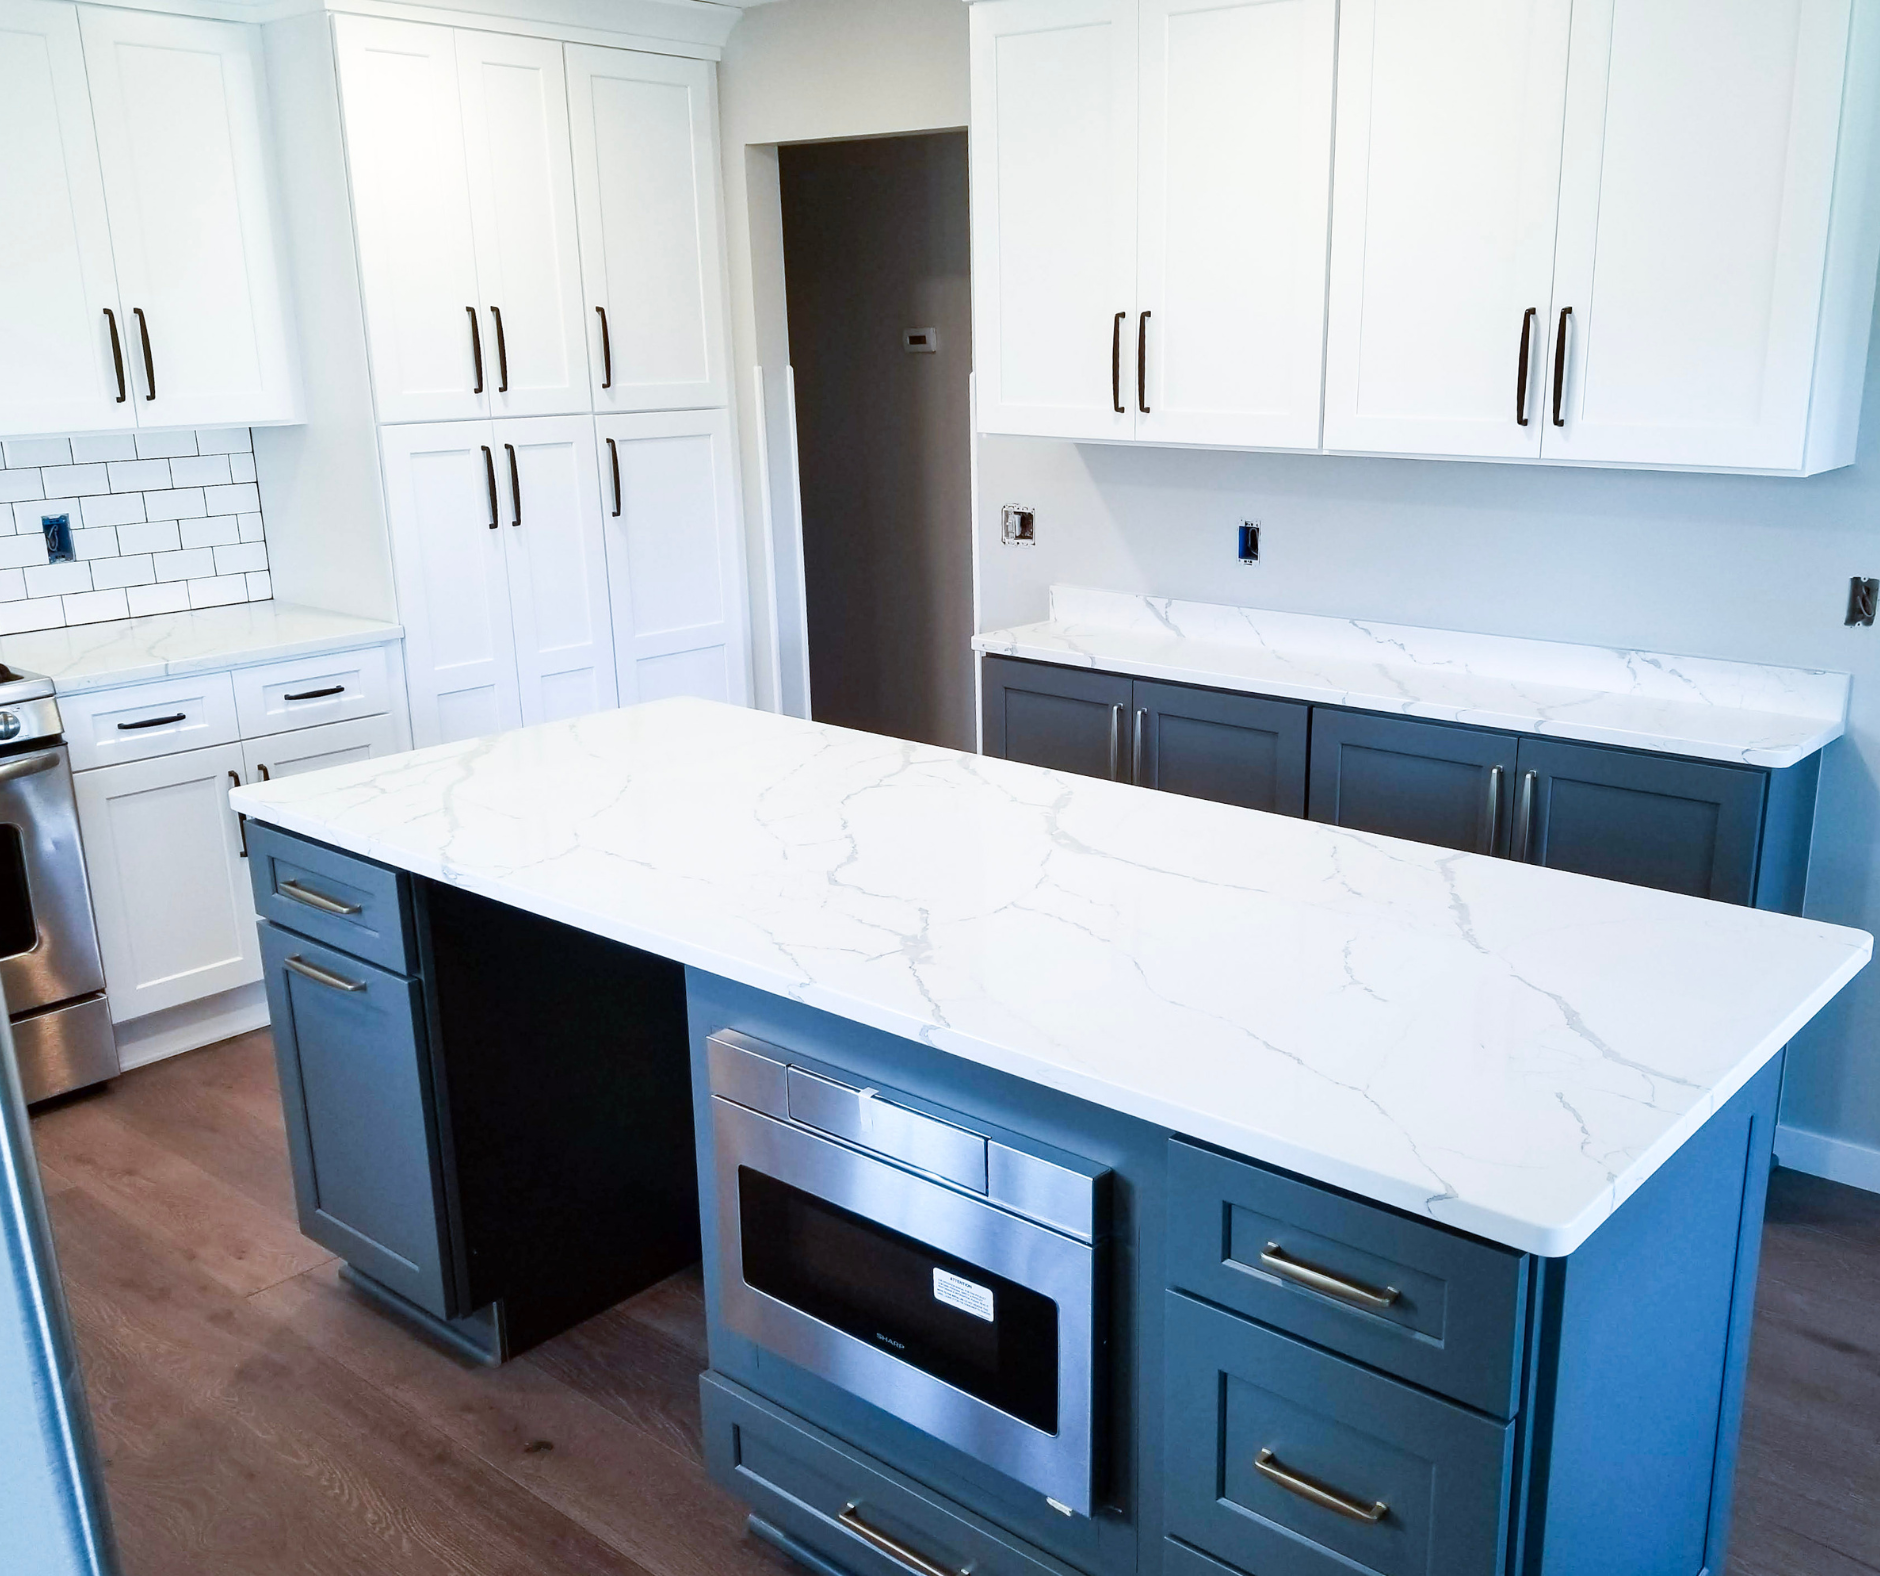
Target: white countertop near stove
(129,651)
(1507,1049)
(1747,713)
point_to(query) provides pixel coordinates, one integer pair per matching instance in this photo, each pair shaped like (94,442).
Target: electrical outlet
(1249,541)
(1018,525)
(58,534)
(1862,595)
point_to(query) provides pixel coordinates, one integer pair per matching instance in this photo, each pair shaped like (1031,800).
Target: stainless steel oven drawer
(843,1506)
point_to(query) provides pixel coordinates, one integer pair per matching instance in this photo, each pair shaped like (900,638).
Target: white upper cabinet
(652,252)
(1698,213)
(1235,179)
(179,108)
(58,290)
(1449,124)
(1054,216)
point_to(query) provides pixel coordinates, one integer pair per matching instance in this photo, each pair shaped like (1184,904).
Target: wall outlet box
(1018,526)
(1249,541)
(58,529)
(920,341)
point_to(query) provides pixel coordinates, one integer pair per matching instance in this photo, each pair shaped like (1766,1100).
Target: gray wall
(875,242)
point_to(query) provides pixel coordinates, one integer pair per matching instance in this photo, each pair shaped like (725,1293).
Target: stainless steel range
(50,969)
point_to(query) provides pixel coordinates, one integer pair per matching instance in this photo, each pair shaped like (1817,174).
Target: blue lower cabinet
(1206,744)
(1065,719)
(355,1091)
(347,902)
(841,1506)
(1283,1460)
(1424,781)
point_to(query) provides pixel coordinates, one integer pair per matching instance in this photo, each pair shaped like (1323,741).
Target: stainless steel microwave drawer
(1430,1305)
(842,1506)
(348,902)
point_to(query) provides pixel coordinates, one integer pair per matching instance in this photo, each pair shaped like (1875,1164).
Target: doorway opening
(876,256)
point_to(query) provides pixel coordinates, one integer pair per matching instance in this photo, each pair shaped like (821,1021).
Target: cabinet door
(1239,749)
(652,251)
(181,111)
(315,749)
(515,123)
(1694,197)
(169,880)
(1683,826)
(58,288)
(557,567)
(1424,781)
(1054,216)
(444,507)
(1443,224)
(674,556)
(411,208)
(1065,719)
(356,1093)
(1236,179)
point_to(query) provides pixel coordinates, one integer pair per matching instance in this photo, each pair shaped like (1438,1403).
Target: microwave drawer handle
(313,899)
(319,694)
(321,976)
(151,722)
(1276,1259)
(1268,1466)
(892,1547)
(28,766)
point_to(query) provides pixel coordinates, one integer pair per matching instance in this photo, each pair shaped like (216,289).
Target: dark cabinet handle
(266,776)
(515,482)
(241,821)
(1560,365)
(613,459)
(607,351)
(1142,363)
(502,352)
(476,348)
(1116,364)
(117,354)
(151,722)
(489,475)
(1521,373)
(319,694)
(150,365)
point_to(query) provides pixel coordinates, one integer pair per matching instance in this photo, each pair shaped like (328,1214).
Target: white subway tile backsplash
(160,521)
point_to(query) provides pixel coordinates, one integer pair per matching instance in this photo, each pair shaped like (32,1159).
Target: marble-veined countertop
(1748,713)
(1507,1049)
(130,651)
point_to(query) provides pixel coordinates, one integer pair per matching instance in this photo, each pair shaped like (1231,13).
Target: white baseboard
(1819,1155)
(194,1024)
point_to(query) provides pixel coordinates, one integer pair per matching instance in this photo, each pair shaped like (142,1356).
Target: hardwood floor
(255,1416)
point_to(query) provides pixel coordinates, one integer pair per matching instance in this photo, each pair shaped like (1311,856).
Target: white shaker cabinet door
(673,556)
(1054,216)
(180,108)
(431,359)
(515,127)
(1449,115)
(58,289)
(445,506)
(169,883)
(1236,179)
(557,566)
(315,749)
(1694,206)
(652,250)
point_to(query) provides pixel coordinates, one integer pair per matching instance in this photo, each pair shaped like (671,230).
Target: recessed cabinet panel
(57,281)
(1064,719)
(1408,778)
(1236,749)
(315,749)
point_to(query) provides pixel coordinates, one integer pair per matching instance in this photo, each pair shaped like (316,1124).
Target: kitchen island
(1547,1096)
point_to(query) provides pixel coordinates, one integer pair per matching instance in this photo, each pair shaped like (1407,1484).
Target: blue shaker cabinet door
(1067,719)
(1683,826)
(1425,781)
(1237,749)
(355,1090)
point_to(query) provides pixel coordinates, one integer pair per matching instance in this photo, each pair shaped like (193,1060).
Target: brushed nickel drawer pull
(1276,1259)
(1267,1465)
(892,1547)
(313,899)
(321,976)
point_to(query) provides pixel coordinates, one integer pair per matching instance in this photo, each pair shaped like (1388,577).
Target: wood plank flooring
(257,1417)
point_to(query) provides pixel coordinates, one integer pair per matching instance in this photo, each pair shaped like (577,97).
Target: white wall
(807,71)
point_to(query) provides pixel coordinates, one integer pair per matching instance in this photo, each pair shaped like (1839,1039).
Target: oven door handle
(28,766)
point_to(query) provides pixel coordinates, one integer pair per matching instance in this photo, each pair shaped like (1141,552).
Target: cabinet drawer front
(1242,1235)
(356,1093)
(309,690)
(803,1482)
(104,727)
(1251,1411)
(299,885)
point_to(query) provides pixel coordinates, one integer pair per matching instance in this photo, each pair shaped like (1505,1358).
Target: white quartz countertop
(1743,712)
(129,651)
(1504,1048)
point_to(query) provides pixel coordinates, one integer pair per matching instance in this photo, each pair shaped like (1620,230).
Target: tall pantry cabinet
(542,267)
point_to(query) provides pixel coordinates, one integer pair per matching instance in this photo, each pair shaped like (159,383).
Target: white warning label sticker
(956,1291)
